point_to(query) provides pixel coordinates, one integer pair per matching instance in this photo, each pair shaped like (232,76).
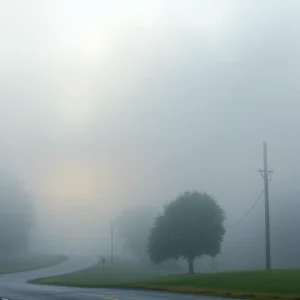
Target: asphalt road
(15,287)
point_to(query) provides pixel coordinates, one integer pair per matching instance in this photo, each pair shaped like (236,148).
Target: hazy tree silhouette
(190,226)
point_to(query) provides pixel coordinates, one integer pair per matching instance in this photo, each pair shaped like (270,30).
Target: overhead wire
(247,213)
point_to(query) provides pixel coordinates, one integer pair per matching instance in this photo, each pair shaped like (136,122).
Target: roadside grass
(277,284)
(30,263)
(117,273)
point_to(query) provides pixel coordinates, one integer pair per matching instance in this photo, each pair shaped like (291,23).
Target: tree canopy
(190,226)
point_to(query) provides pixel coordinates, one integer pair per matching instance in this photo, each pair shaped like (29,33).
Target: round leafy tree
(191,226)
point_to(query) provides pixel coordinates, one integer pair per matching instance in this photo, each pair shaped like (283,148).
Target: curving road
(15,286)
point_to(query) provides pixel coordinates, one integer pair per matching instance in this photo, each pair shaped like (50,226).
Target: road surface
(15,287)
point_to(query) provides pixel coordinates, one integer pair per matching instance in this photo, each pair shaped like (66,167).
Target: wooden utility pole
(266,175)
(112,242)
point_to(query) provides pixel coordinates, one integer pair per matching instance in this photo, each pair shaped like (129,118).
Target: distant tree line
(16,218)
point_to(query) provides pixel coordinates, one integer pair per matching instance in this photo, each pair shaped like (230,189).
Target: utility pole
(266,175)
(112,242)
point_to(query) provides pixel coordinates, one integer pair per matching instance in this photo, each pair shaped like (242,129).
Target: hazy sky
(110,103)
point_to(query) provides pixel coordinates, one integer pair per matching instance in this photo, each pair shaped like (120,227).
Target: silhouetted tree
(16,218)
(134,227)
(191,226)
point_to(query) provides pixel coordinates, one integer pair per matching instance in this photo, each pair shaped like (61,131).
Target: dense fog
(113,106)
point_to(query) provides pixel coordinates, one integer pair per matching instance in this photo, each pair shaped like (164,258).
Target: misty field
(119,273)
(276,284)
(30,263)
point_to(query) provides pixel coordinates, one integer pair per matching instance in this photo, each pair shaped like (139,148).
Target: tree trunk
(191,265)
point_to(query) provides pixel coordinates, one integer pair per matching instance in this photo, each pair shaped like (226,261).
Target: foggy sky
(106,104)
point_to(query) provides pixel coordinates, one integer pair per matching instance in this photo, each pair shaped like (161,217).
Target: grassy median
(277,284)
(32,262)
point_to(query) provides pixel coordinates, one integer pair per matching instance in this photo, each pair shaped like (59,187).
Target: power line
(247,213)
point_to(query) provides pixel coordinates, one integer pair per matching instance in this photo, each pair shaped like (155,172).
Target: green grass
(30,263)
(277,284)
(260,284)
(119,272)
